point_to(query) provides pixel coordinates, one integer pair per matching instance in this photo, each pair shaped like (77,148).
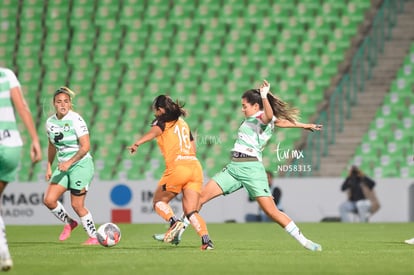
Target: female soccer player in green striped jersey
(69,141)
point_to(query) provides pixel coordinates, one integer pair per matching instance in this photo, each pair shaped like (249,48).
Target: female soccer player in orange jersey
(183,171)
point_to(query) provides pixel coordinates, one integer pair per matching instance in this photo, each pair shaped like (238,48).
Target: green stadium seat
(385,172)
(356,12)
(81,10)
(52,80)
(282,10)
(8,11)
(407,171)
(349,28)
(331,12)
(31,11)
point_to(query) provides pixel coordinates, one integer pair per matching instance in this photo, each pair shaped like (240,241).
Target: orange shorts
(183,175)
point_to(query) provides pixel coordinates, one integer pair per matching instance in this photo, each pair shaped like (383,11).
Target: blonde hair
(65,90)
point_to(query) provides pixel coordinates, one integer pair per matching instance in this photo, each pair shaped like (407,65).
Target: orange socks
(164,210)
(199,224)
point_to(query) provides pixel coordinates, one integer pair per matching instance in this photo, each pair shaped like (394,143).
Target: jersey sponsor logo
(58,137)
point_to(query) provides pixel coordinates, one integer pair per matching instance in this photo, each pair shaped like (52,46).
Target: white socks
(89,225)
(4,248)
(294,231)
(87,220)
(186,223)
(61,214)
(185,220)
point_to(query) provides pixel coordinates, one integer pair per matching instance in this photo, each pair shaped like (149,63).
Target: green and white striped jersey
(253,135)
(9,133)
(64,134)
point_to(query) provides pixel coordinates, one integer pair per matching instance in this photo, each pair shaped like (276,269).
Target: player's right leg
(162,196)
(50,200)
(9,162)
(269,207)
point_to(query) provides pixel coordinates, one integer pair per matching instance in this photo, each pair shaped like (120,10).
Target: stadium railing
(346,92)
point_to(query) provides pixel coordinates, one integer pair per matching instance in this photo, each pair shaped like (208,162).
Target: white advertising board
(304,200)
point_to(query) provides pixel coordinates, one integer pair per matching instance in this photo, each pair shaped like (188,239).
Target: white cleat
(313,246)
(410,241)
(160,238)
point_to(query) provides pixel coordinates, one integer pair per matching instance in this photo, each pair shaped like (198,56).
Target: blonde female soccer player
(69,141)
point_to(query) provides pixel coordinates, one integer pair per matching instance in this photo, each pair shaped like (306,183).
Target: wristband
(264,91)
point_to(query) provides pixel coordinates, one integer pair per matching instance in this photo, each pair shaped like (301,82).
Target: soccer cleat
(91,241)
(313,246)
(207,246)
(410,241)
(67,230)
(6,264)
(160,238)
(173,232)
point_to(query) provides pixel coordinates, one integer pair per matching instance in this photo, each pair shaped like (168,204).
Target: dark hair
(280,108)
(173,110)
(355,172)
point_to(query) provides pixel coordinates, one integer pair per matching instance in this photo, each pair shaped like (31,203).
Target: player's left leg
(190,203)
(81,175)
(78,204)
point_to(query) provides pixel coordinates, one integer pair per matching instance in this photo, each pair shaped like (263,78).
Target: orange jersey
(175,142)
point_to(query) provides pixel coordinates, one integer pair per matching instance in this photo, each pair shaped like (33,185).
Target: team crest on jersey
(66,128)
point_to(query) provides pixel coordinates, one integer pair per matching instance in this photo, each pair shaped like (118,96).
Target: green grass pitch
(251,248)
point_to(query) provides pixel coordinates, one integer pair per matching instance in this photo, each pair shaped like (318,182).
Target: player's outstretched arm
(154,132)
(283,123)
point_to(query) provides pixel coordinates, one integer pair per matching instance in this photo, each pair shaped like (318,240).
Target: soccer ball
(108,234)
